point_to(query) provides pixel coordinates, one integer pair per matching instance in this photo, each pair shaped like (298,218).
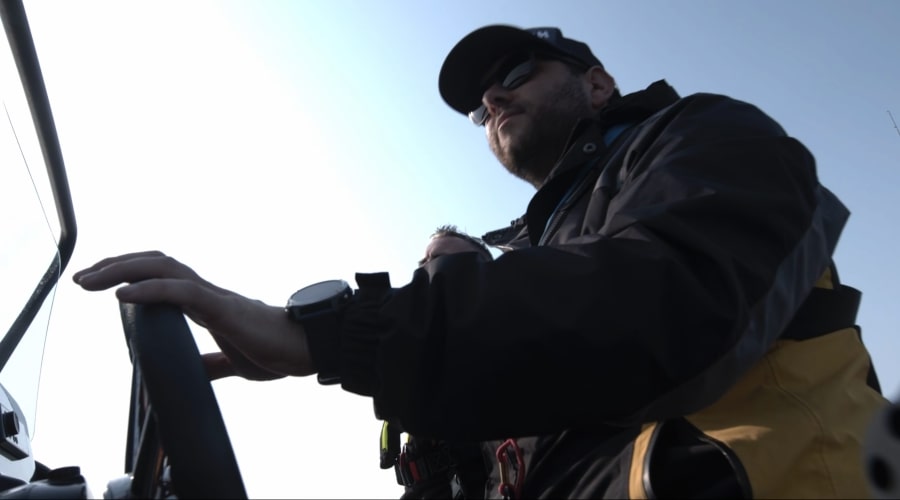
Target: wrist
(287,349)
(296,358)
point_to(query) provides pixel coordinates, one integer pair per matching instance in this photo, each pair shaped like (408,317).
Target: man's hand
(259,341)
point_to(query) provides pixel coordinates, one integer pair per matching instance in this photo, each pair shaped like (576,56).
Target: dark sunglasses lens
(518,75)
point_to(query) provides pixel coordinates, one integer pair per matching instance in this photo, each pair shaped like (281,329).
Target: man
(448,239)
(431,468)
(666,321)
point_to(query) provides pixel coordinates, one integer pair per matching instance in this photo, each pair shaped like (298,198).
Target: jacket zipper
(573,194)
(565,204)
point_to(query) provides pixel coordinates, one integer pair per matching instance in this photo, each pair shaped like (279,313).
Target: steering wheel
(177,441)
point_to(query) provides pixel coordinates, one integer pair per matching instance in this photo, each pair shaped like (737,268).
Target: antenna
(894,122)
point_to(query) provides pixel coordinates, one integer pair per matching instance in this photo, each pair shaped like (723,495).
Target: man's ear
(602,86)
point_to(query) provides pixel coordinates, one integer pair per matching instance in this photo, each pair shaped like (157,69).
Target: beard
(531,152)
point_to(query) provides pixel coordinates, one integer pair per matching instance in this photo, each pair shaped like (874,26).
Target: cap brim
(471,58)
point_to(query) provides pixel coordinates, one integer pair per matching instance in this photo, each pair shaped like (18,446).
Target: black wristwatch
(317,307)
(320,298)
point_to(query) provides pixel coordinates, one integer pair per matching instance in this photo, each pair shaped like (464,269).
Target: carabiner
(506,489)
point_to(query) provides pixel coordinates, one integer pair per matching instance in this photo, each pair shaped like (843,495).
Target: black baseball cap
(466,64)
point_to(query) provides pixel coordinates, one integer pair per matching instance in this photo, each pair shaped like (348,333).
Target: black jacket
(647,277)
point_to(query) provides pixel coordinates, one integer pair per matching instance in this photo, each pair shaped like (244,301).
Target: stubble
(531,152)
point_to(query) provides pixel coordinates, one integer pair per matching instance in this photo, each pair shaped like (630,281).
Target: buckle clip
(421,460)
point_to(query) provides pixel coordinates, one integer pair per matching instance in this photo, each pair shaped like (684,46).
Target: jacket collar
(630,109)
(640,105)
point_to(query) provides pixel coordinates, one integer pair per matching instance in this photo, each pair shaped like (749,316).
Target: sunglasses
(515,77)
(517,74)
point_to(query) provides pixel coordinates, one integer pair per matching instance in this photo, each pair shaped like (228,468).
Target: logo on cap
(549,34)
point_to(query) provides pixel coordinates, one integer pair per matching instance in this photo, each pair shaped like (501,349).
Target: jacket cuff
(343,344)
(362,328)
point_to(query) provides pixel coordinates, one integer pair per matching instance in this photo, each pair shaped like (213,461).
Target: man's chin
(510,136)
(523,173)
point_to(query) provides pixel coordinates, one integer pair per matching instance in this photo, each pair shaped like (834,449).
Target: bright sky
(273,144)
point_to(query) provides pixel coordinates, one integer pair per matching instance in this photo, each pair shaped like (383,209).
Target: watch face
(318,292)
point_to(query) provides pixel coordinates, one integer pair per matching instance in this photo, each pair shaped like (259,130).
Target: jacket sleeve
(717,234)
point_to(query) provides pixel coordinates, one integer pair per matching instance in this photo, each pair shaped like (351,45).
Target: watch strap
(322,334)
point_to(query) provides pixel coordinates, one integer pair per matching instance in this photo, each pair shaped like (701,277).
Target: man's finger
(180,292)
(111,260)
(217,366)
(132,269)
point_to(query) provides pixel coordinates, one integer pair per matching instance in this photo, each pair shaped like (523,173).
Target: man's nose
(495,96)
